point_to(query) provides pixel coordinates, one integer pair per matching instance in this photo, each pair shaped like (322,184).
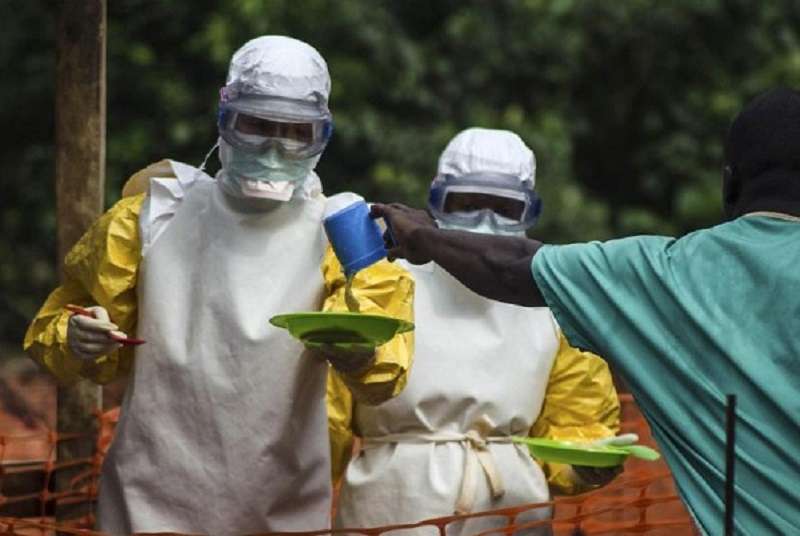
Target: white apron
(480,372)
(223,428)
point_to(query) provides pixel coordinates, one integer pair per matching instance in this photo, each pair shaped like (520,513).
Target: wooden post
(80,177)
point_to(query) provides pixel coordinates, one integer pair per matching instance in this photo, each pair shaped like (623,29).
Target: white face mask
(486,225)
(266,176)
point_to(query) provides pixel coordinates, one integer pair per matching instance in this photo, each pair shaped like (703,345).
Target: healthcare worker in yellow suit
(483,371)
(223,425)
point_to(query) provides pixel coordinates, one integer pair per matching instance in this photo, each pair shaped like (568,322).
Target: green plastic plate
(551,450)
(344,329)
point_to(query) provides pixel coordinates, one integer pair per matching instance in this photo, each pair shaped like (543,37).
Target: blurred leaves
(624,103)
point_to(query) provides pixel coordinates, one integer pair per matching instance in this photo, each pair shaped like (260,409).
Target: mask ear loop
(202,167)
(214,147)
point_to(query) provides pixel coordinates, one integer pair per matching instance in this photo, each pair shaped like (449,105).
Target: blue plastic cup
(355,237)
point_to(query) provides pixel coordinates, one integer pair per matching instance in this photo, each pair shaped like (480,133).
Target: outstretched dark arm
(497,267)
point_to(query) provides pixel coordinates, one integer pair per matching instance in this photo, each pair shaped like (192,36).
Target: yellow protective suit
(102,269)
(580,403)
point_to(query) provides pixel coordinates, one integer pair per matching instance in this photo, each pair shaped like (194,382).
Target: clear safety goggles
(468,200)
(297,129)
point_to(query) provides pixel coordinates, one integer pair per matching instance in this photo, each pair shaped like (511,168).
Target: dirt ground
(27,408)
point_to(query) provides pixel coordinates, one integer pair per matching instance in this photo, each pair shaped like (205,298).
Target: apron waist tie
(478,455)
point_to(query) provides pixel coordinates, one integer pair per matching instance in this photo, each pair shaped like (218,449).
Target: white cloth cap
(278,66)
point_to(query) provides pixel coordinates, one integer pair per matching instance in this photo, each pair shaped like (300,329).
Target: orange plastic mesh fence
(641,501)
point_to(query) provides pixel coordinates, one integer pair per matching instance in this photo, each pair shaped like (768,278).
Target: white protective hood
(278,66)
(481,149)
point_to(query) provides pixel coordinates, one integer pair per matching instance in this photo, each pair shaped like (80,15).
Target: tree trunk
(80,176)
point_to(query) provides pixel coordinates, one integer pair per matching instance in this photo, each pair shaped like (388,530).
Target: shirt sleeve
(580,404)
(340,424)
(382,289)
(603,294)
(101,269)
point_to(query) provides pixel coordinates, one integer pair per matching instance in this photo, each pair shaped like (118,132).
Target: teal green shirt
(687,321)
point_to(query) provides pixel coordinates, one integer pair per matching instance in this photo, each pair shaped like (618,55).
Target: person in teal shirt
(685,320)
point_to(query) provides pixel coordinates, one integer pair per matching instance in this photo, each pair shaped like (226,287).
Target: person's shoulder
(188,174)
(168,184)
(616,246)
(696,240)
(139,182)
(166,176)
(126,208)
(114,231)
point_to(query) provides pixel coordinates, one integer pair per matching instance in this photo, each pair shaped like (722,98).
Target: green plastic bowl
(551,450)
(317,328)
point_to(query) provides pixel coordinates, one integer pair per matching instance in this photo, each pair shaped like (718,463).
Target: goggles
(255,124)
(469,200)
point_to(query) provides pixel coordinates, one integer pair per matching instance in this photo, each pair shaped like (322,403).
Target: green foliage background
(624,102)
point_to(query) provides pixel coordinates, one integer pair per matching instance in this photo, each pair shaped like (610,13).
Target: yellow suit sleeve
(382,289)
(340,424)
(385,289)
(100,269)
(581,404)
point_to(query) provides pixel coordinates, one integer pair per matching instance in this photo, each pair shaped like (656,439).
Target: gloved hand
(620,440)
(600,476)
(89,337)
(350,359)
(597,476)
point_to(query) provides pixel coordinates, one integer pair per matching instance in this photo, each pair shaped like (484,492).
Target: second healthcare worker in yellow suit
(483,371)
(223,425)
